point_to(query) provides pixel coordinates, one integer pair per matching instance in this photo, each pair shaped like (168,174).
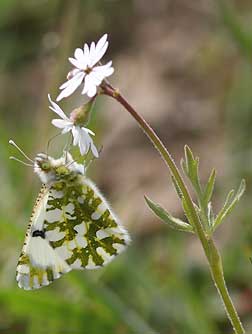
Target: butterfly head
(51,170)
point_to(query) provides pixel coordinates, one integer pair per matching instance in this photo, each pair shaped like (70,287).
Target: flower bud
(80,116)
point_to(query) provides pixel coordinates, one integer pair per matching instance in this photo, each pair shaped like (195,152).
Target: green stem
(211,252)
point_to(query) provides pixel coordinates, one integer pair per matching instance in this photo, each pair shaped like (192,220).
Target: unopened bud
(80,116)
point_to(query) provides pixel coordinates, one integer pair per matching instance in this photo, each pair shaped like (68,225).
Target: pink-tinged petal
(57,109)
(61,123)
(72,86)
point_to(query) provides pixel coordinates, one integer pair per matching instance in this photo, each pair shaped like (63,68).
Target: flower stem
(211,252)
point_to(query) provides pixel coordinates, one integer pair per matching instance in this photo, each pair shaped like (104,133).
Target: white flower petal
(89,86)
(77,63)
(57,109)
(83,147)
(73,84)
(90,131)
(86,50)
(76,135)
(100,50)
(84,59)
(70,75)
(102,41)
(96,77)
(94,149)
(61,123)
(83,140)
(67,129)
(92,91)
(73,78)
(78,54)
(104,70)
(92,50)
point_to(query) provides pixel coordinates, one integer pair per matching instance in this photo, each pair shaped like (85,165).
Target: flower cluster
(90,72)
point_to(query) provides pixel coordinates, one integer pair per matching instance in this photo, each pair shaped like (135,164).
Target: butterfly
(71,227)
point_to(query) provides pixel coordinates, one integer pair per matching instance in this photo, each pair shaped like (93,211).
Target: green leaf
(173,222)
(208,192)
(229,204)
(190,167)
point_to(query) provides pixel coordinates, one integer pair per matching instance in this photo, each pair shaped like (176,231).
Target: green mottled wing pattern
(72,227)
(80,225)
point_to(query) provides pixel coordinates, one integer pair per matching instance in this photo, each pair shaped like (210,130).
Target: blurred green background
(187,67)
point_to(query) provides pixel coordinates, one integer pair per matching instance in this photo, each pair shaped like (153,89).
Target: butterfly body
(72,225)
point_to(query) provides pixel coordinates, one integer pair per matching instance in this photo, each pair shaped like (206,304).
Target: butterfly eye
(45,166)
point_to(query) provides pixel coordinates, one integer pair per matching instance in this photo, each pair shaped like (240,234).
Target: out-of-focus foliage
(194,61)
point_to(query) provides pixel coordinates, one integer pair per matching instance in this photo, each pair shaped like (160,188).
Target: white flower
(81,135)
(86,69)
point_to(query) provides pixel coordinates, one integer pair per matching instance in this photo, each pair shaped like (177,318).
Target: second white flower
(81,135)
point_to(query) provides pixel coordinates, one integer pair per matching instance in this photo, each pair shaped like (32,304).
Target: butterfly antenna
(67,145)
(22,162)
(92,159)
(49,142)
(70,163)
(21,151)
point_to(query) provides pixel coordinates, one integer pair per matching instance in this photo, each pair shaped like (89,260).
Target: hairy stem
(211,252)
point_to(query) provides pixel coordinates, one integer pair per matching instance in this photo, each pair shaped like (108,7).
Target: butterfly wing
(39,264)
(72,227)
(88,234)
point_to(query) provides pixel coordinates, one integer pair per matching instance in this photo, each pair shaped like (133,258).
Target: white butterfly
(71,227)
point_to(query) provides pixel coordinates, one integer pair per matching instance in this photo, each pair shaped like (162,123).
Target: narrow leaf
(229,204)
(208,192)
(190,161)
(191,168)
(173,222)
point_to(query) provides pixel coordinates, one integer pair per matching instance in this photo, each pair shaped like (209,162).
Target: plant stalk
(211,252)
